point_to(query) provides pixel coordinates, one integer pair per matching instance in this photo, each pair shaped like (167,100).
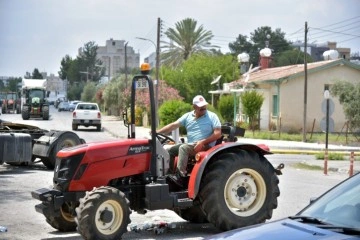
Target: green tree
(185,39)
(349,95)
(258,39)
(75,90)
(88,62)
(13,84)
(85,67)
(36,74)
(2,86)
(196,74)
(226,107)
(116,96)
(65,66)
(251,104)
(73,74)
(89,92)
(291,57)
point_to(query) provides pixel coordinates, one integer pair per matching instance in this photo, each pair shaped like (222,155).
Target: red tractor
(96,186)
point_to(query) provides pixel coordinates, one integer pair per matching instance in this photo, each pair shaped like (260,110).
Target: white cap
(199,101)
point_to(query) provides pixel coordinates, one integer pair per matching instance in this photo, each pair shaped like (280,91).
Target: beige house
(284,89)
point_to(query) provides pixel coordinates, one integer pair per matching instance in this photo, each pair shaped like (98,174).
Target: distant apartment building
(55,83)
(112,56)
(151,59)
(316,50)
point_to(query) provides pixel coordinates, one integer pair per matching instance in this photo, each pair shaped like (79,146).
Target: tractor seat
(229,133)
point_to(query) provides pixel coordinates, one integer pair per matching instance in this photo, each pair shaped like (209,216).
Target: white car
(86,114)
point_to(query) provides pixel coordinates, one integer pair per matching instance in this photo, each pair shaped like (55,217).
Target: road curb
(311,152)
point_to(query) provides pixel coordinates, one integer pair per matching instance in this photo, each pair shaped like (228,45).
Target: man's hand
(200,146)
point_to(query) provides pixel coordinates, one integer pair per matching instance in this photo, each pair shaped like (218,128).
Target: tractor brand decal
(139,149)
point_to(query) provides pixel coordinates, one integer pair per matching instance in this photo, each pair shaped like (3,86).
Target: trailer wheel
(25,114)
(46,112)
(104,213)
(63,221)
(193,214)
(66,139)
(239,189)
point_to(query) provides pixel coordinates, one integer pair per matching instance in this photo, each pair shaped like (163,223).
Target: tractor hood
(102,161)
(99,151)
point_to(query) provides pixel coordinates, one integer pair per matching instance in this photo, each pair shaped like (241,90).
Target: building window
(113,43)
(275,109)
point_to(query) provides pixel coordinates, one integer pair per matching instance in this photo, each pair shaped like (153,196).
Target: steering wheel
(164,138)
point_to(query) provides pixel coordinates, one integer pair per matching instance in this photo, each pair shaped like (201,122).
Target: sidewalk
(114,126)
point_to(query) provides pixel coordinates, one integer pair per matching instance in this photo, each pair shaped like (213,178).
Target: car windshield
(87,106)
(340,206)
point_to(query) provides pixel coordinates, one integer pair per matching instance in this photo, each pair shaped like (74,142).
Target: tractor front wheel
(46,112)
(25,113)
(103,213)
(239,189)
(63,221)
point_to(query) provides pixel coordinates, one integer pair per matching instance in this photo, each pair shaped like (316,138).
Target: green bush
(226,107)
(170,111)
(331,156)
(214,110)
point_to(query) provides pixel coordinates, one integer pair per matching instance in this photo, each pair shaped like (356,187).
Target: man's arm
(168,128)
(200,145)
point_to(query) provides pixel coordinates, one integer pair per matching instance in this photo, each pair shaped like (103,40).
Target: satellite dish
(216,80)
(266,52)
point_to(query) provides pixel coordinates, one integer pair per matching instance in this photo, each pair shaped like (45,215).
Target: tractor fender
(199,167)
(44,145)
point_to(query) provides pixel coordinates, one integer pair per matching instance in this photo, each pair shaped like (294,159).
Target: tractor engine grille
(64,171)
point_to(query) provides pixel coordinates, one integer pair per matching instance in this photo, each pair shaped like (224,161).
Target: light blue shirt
(201,128)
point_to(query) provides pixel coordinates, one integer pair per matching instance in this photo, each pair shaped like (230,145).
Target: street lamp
(327,98)
(157,49)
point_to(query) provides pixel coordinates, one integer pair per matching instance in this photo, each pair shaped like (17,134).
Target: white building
(113,57)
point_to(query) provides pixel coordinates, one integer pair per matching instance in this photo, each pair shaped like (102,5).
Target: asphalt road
(18,215)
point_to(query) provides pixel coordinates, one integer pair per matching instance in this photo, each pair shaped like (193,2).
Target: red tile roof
(279,72)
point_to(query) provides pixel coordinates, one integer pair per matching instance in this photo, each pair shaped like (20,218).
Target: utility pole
(305,82)
(157,71)
(126,74)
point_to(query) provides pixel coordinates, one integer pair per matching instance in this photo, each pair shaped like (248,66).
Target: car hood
(281,229)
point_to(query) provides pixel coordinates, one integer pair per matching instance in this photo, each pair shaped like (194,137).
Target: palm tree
(185,40)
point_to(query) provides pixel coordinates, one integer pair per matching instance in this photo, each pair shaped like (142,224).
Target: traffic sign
(331,106)
(323,124)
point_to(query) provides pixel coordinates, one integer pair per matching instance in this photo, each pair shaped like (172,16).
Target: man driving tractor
(203,128)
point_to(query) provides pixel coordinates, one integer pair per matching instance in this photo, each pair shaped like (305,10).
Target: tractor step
(184,202)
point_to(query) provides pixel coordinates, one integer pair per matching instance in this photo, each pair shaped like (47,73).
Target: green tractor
(33,99)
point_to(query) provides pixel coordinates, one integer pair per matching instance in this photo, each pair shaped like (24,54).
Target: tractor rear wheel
(67,139)
(239,189)
(103,213)
(193,214)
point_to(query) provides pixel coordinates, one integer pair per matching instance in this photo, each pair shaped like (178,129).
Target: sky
(39,33)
